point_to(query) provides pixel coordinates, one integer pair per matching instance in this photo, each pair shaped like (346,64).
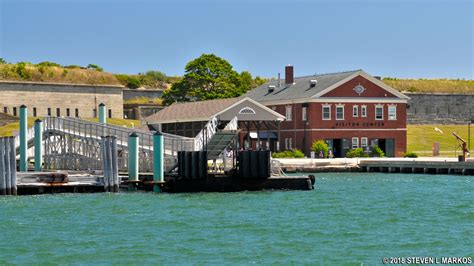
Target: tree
(206,77)
(320,145)
(2,61)
(96,67)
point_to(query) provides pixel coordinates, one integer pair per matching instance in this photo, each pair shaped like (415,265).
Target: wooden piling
(114,162)
(3,176)
(13,182)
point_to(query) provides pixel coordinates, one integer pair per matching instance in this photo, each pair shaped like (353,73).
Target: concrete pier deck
(428,165)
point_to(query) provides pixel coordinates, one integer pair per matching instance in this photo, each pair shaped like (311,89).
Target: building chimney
(279,80)
(289,74)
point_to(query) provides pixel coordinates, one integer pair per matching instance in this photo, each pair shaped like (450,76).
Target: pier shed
(257,125)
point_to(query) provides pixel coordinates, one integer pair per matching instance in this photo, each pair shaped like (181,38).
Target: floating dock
(423,167)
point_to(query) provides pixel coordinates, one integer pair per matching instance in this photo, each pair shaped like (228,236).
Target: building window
(58,112)
(49,111)
(289,114)
(355,111)
(34,112)
(340,112)
(247,111)
(363,111)
(68,112)
(326,112)
(392,113)
(363,142)
(5,110)
(355,143)
(77,112)
(286,143)
(379,112)
(94,113)
(110,113)
(290,143)
(303,114)
(14,111)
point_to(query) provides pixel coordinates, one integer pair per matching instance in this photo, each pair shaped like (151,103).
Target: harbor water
(355,218)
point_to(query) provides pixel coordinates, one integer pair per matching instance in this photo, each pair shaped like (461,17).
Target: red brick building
(348,110)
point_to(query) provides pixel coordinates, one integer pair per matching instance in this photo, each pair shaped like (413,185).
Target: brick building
(55,99)
(347,110)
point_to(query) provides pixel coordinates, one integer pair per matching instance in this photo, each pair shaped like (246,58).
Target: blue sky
(412,39)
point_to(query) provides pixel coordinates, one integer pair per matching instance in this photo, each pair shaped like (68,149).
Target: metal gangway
(74,144)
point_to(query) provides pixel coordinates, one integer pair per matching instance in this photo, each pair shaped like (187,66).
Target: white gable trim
(278,115)
(366,76)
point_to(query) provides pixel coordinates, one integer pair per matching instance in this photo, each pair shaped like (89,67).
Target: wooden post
(3,184)
(7,165)
(13,184)
(114,163)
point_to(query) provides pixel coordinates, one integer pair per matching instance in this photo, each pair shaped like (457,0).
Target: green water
(349,218)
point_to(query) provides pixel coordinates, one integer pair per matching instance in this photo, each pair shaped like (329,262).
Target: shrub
(48,64)
(410,154)
(320,145)
(377,152)
(95,67)
(2,61)
(288,154)
(353,153)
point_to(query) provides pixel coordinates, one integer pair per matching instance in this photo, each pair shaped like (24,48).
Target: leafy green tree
(2,61)
(206,77)
(95,67)
(320,145)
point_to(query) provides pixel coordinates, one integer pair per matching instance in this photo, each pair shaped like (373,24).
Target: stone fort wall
(440,108)
(52,97)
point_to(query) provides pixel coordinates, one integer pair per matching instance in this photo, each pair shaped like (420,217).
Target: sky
(399,38)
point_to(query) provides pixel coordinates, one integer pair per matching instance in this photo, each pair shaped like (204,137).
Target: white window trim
(247,111)
(356,109)
(356,141)
(289,112)
(378,106)
(343,110)
(304,113)
(291,143)
(362,142)
(395,116)
(286,143)
(322,111)
(363,111)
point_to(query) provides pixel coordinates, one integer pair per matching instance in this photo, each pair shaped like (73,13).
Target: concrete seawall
(427,165)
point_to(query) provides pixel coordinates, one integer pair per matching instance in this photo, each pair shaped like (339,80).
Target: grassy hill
(91,74)
(431,85)
(56,73)
(420,139)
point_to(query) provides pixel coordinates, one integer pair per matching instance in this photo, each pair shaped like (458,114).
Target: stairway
(219,142)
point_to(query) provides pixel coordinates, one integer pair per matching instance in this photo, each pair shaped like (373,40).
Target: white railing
(206,134)
(232,125)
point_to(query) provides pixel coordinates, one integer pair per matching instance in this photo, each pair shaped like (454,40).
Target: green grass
(420,139)
(143,100)
(431,85)
(8,130)
(119,122)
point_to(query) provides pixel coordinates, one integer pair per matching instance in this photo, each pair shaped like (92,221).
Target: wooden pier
(422,167)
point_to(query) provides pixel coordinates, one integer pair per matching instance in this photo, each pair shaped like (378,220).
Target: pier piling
(23,141)
(132,160)
(110,163)
(38,145)
(8,183)
(158,161)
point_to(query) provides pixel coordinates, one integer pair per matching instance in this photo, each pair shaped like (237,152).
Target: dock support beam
(23,144)
(102,114)
(38,145)
(8,183)
(158,161)
(132,160)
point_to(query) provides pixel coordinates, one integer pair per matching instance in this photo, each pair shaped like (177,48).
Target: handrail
(232,125)
(205,134)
